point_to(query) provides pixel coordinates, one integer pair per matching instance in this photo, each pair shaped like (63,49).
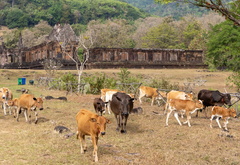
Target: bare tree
(83,42)
(230,10)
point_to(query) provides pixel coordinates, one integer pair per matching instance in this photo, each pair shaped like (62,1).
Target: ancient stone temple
(51,48)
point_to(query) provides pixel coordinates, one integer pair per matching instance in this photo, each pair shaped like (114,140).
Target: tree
(112,34)
(223,50)
(229,9)
(224,46)
(80,48)
(16,18)
(162,36)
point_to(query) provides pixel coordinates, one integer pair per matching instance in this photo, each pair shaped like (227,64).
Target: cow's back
(26,100)
(179,104)
(179,95)
(148,91)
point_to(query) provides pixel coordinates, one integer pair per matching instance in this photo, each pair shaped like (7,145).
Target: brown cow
(121,106)
(188,106)
(13,106)
(28,102)
(99,106)
(90,124)
(149,92)
(173,94)
(5,94)
(224,113)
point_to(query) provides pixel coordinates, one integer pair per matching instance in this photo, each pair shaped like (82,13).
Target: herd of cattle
(121,105)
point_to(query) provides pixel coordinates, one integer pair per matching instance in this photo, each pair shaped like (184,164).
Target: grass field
(147,140)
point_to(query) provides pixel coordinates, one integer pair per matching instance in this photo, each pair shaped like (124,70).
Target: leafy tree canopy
(224,46)
(229,9)
(30,12)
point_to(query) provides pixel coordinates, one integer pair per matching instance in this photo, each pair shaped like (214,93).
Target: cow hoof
(123,131)
(225,130)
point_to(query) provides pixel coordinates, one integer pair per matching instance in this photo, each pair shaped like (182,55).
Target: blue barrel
(23,81)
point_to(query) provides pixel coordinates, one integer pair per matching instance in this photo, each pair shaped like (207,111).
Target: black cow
(121,105)
(211,98)
(99,106)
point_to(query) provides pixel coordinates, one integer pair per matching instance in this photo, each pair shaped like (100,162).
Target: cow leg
(168,115)
(124,123)
(95,148)
(211,121)
(176,116)
(205,112)
(118,122)
(36,117)
(217,120)
(152,101)
(4,108)
(82,142)
(17,116)
(188,119)
(166,108)
(108,107)
(140,97)
(26,115)
(225,124)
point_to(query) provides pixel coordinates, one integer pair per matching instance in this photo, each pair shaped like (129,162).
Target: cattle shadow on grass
(133,128)
(42,120)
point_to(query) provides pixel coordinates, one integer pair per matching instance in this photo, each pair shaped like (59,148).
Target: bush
(98,82)
(163,84)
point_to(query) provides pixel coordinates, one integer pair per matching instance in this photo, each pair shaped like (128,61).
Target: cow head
(5,93)
(38,103)
(100,122)
(199,104)
(233,112)
(10,102)
(221,98)
(189,96)
(227,99)
(126,104)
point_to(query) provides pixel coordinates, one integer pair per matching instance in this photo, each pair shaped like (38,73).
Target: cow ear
(93,119)
(118,99)
(108,121)
(35,99)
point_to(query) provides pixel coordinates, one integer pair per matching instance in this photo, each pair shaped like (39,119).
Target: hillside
(18,14)
(172,9)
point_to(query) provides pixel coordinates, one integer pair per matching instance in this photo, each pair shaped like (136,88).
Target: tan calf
(29,103)
(92,125)
(173,94)
(188,106)
(13,106)
(149,92)
(5,95)
(224,113)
